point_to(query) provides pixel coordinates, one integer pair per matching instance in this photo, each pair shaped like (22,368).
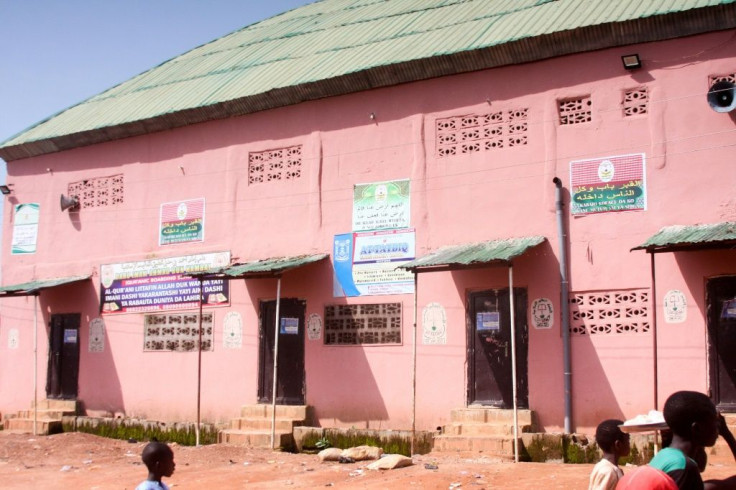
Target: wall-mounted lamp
(631,61)
(372,116)
(5,189)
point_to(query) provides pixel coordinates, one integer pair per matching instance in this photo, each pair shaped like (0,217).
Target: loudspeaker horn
(722,96)
(68,202)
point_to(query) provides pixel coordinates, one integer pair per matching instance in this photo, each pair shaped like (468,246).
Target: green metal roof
(334,47)
(264,268)
(474,254)
(34,287)
(691,237)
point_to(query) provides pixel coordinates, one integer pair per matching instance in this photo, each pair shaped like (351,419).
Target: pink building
(301,160)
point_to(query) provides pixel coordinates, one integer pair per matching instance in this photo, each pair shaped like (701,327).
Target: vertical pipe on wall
(653,303)
(414,369)
(275,363)
(35,364)
(564,305)
(199,367)
(513,362)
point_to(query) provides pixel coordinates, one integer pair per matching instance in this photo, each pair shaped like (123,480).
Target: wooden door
(489,348)
(721,308)
(63,366)
(290,383)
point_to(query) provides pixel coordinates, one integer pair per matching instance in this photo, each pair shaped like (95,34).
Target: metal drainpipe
(35,364)
(565,304)
(199,370)
(414,368)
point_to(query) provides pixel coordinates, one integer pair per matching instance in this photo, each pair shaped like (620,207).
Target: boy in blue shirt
(159,459)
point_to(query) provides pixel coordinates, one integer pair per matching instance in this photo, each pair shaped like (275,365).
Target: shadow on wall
(99,387)
(710,277)
(340,384)
(593,396)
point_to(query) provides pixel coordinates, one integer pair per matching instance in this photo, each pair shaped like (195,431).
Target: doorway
(63,368)
(290,383)
(721,308)
(489,348)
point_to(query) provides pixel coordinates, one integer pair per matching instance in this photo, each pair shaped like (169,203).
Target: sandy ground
(83,461)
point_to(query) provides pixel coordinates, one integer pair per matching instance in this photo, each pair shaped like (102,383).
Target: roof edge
(590,38)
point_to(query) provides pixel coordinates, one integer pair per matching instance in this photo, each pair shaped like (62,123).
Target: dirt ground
(83,461)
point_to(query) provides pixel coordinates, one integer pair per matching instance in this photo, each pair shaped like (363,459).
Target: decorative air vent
(481,132)
(609,312)
(279,164)
(100,192)
(575,111)
(177,332)
(636,102)
(363,324)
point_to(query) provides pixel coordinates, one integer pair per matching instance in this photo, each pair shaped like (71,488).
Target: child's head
(611,439)
(159,459)
(692,416)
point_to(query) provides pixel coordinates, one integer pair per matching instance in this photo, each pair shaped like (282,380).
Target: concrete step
(44,414)
(63,405)
(494,445)
(43,427)
(293,412)
(263,424)
(472,429)
(485,415)
(261,439)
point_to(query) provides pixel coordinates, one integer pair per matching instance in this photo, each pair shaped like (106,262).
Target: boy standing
(695,424)
(159,459)
(614,444)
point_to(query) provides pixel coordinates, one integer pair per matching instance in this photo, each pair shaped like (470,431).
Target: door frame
(522,346)
(62,376)
(712,323)
(265,360)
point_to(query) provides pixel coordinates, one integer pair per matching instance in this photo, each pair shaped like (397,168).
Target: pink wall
(458,199)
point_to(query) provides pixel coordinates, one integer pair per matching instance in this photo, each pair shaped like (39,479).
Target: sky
(57,53)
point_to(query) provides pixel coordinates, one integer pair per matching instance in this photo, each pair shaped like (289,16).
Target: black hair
(683,408)
(607,433)
(154,452)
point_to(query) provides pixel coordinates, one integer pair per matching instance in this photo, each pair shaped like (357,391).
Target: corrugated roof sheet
(691,237)
(457,256)
(266,267)
(334,47)
(34,287)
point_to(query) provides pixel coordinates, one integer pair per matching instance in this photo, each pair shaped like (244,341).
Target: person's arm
(726,434)
(725,484)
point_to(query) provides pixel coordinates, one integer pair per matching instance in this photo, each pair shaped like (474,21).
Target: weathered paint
(455,200)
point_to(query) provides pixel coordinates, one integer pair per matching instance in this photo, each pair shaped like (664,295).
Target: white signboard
(542,313)
(675,307)
(13,338)
(25,229)
(232,332)
(434,324)
(314,327)
(97,335)
(381,205)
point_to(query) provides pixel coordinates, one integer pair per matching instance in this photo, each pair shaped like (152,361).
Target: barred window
(177,332)
(472,133)
(636,102)
(575,111)
(609,312)
(278,164)
(363,324)
(99,192)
